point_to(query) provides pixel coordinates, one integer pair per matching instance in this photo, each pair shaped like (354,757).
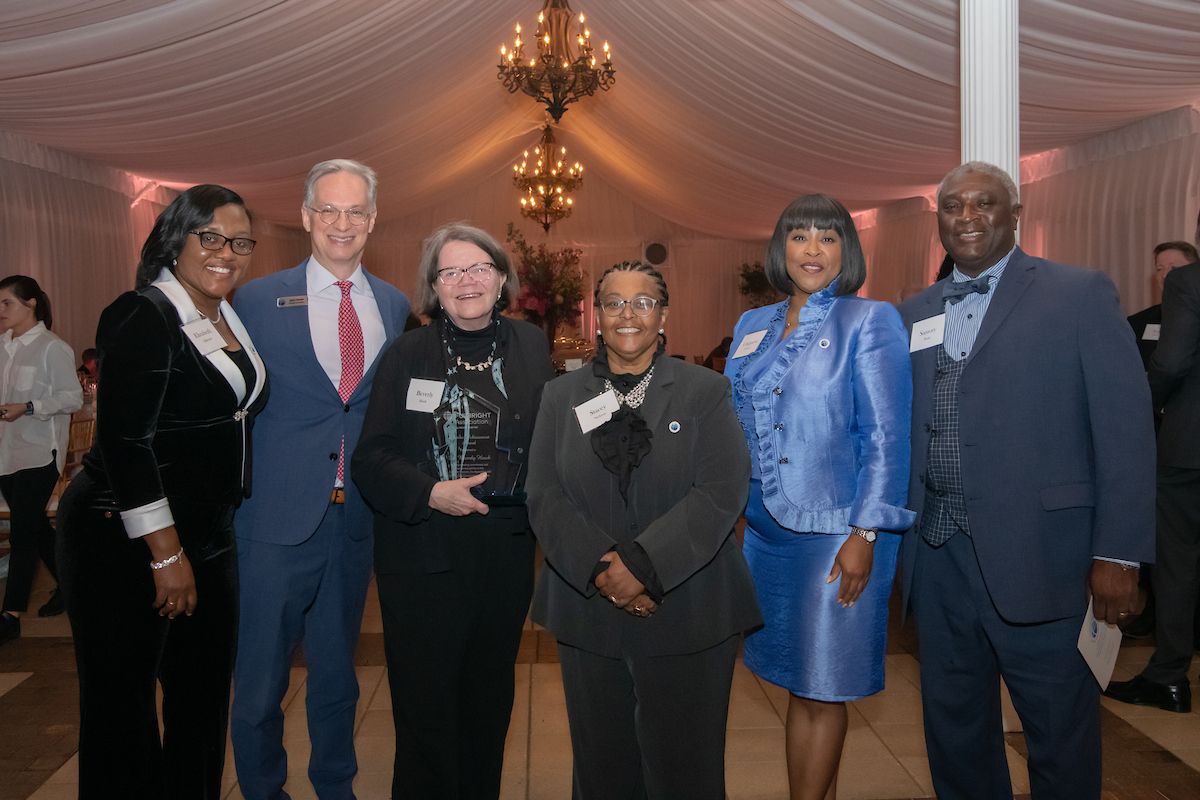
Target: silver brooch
(824,343)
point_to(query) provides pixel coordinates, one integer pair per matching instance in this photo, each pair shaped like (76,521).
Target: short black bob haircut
(825,214)
(193,208)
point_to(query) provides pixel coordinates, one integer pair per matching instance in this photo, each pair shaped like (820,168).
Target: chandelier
(555,77)
(546,184)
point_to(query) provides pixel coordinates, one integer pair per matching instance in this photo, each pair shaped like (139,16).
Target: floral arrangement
(756,287)
(551,283)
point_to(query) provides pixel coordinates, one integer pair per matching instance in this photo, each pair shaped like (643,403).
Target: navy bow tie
(955,291)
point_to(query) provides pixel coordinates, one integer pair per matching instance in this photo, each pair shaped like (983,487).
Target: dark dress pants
(966,647)
(27,492)
(1176,574)
(648,727)
(451,639)
(310,594)
(122,646)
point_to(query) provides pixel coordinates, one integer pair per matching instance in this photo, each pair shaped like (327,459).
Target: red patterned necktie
(351,339)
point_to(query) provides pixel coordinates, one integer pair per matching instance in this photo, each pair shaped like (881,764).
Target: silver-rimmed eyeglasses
(478,272)
(641,306)
(215,241)
(330,215)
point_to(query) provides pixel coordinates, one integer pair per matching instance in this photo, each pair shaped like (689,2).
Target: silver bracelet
(166,562)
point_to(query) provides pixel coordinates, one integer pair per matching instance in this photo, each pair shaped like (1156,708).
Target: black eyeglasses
(330,215)
(215,241)
(478,272)
(642,306)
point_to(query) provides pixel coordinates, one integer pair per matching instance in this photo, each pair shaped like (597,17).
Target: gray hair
(1014,195)
(334,166)
(425,300)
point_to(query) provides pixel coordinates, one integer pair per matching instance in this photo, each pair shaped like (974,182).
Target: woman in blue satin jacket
(823,388)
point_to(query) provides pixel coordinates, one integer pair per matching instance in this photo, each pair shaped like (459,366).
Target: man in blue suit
(1033,482)
(304,538)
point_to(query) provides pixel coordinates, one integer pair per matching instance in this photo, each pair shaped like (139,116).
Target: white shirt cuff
(1123,563)
(147,519)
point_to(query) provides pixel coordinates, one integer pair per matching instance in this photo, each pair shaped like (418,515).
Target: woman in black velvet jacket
(455,574)
(145,531)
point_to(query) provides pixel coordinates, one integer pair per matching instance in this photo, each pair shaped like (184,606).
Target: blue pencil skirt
(809,644)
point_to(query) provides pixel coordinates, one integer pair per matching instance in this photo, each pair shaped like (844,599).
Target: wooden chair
(79,441)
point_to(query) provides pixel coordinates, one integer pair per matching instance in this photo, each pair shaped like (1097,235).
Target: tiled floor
(1148,753)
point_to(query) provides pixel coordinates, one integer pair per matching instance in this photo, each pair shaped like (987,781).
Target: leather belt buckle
(338,497)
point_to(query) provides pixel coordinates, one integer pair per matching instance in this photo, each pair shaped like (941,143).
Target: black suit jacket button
(927,427)
(346,408)
(333,456)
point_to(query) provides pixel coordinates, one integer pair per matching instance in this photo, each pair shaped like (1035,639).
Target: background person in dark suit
(1032,451)
(1175,386)
(455,575)
(1167,256)
(304,541)
(1147,326)
(644,586)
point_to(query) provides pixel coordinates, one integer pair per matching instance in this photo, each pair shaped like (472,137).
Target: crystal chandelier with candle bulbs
(545,181)
(556,77)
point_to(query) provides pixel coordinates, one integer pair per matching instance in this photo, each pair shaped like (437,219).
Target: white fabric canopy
(723,110)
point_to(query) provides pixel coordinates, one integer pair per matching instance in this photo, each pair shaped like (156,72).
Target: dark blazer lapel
(1013,283)
(924,362)
(658,394)
(387,313)
(297,330)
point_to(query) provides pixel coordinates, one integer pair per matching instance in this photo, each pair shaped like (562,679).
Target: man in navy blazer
(304,539)
(1032,480)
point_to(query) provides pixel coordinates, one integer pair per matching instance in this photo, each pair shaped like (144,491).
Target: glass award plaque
(465,433)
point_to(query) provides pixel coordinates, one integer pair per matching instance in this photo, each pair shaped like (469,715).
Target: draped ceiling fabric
(722,112)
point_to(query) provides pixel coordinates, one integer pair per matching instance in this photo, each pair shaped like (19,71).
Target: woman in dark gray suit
(638,471)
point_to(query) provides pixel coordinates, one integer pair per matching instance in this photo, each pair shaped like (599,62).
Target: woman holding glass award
(442,461)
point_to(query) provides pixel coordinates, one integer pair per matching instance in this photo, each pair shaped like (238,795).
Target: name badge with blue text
(288,302)
(749,344)
(424,395)
(1152,332)
(927,333)
(204,336)
(597,411)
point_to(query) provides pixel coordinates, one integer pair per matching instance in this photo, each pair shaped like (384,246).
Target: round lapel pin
(673,427)
(824,343)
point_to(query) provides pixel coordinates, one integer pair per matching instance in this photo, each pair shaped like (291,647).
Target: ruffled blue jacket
(832,414)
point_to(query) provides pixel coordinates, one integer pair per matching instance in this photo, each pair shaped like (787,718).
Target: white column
(989,77)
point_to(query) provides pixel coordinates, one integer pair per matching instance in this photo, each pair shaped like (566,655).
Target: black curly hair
(635,266)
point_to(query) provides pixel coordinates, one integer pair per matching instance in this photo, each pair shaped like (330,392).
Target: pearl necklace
(636,395)
(480,367)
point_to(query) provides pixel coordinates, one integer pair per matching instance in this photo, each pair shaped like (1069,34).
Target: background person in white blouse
(38,392)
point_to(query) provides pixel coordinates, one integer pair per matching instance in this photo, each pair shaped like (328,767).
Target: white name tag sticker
(573,364)
(204,336)
(424,395)
(597,411)
(749,344)
(296,300)
(927,333)
(1152,332)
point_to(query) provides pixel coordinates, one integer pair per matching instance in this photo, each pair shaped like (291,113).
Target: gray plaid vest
(945,511)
